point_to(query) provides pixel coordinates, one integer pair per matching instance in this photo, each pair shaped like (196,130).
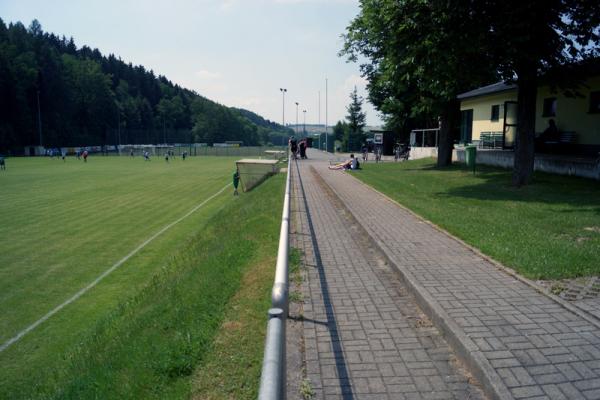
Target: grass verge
(547,230)
(152,344)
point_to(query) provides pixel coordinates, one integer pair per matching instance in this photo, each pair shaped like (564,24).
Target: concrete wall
(422,152)
(551,164)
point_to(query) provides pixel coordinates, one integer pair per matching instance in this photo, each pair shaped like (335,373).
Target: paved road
(364,333)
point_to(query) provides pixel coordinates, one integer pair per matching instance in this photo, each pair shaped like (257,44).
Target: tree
(529,38)
(418,59)
(84,95)
(340,130)
(421,54)
(353,136)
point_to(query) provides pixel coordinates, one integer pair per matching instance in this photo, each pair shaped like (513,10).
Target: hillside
(82,97)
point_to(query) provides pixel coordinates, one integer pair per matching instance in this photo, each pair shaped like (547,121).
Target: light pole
(326,135)
(119,130)
(304,126)
(283,90)
(39,118)
(297,118)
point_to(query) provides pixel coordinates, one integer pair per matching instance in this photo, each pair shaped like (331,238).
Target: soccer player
(236,182)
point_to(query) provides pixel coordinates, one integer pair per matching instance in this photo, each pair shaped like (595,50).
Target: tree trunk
(524,141)
(446,140)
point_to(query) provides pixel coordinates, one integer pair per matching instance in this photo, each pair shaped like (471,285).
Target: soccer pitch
(64,224)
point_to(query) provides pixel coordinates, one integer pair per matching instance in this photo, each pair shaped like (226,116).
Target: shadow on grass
(577,194)
(488,183)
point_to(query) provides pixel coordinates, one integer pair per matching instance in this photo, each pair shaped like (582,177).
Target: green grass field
(147,326)
(547,230)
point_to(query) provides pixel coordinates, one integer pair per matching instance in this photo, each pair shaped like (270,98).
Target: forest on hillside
(56,94)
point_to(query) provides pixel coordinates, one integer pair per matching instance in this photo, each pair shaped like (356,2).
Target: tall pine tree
(356,118)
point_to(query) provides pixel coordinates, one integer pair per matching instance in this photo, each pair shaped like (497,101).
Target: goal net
(254,172)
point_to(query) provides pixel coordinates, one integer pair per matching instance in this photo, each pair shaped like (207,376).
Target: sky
(236,52)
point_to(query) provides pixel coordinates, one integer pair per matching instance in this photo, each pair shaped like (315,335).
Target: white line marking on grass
(105,274)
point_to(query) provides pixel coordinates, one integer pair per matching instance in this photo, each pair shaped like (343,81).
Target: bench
(490,140)
(565,141)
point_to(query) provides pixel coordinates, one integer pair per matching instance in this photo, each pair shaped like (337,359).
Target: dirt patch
(592,229)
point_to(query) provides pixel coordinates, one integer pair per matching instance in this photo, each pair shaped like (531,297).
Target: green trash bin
(470,156)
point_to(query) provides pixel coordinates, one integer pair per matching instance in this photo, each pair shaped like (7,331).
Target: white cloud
(314,1)
(252,103)
(352,81)
(207,75)
(227,5)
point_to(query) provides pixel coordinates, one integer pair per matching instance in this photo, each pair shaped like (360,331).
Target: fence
(424,137)
(273,377)
(195,150)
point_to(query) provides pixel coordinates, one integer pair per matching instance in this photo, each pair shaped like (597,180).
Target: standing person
(63,154)
(85,155)
(365,152)
(2,162)
(294,147)
(167,156)
(236,182)
(302,146)
(131,153)
(146,156)
(184,155)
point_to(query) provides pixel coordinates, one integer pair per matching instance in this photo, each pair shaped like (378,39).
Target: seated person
(551,132)
(352,163)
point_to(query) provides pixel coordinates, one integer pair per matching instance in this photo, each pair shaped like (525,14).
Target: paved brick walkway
(364,336)
(517,341)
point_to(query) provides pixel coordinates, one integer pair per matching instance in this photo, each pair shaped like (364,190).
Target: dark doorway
(510,125)
(466,126)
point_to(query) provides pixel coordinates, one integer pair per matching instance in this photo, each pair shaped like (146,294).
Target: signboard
(378,138)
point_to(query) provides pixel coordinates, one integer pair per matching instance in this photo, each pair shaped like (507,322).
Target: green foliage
(85,98)
(547,230)
(353,136)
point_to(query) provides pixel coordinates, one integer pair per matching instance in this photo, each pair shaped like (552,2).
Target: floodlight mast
(283,90)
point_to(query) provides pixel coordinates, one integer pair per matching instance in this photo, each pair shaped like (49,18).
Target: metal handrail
(273,375)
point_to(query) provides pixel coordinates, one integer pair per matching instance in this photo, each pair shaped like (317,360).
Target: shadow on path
(340,361)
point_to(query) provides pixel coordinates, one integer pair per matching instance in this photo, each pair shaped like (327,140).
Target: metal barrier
(273,376)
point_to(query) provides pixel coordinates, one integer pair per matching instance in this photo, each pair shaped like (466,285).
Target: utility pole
(319,108)
(283,90)
(304,126)
(119,130)
(326,116)
(296,118)
(39,118)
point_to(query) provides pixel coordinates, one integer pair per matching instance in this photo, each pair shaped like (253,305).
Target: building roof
(489,89)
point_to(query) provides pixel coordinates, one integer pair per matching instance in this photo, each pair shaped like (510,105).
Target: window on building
(595,102)
(549,107)
(495,113)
